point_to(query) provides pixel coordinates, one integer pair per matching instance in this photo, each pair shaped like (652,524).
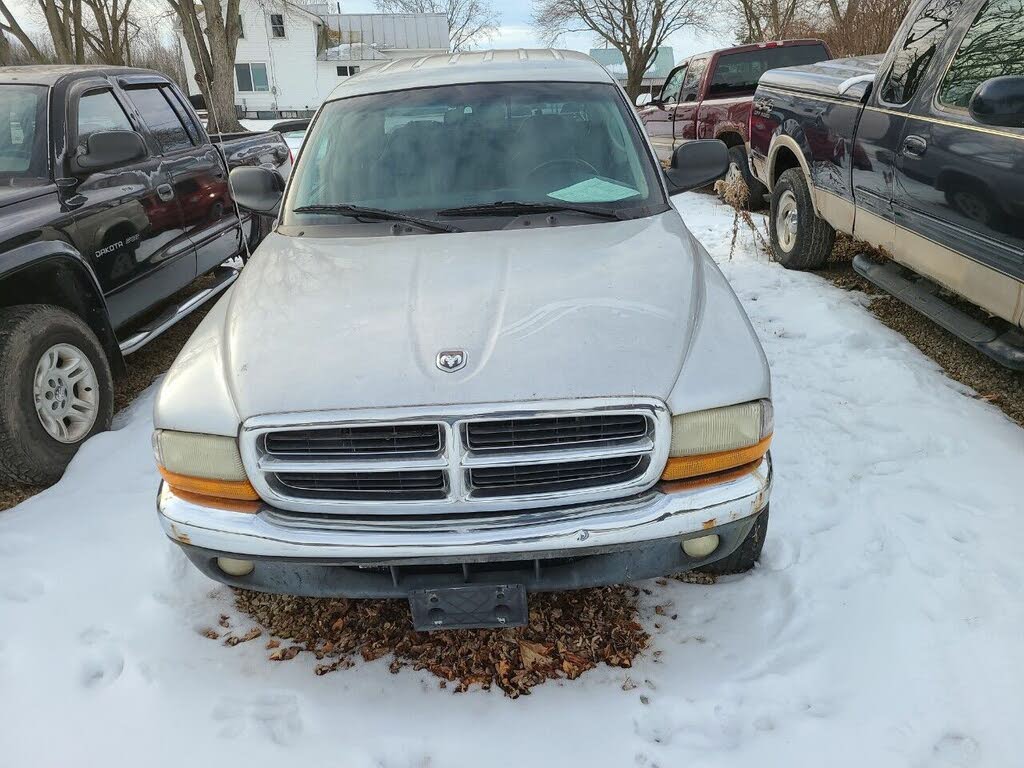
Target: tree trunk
(634,80)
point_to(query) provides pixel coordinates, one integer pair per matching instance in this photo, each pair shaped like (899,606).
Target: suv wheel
(746,555)
(739,168)
(56,391)
(800,240)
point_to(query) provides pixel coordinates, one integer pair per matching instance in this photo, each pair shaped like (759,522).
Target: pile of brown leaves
(568,633)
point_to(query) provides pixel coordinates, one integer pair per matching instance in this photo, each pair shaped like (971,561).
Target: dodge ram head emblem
(451,360)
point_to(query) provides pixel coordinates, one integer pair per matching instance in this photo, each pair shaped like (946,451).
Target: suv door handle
(914,146)
(166,192)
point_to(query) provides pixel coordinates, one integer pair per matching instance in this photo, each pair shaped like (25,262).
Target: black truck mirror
(696,164)
(257,189)
(105,150)
(999,101)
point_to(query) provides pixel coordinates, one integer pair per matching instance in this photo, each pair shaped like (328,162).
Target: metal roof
(385,31)
(537,65)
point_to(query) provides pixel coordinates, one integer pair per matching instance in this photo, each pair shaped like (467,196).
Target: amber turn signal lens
(240,490)
(684,467)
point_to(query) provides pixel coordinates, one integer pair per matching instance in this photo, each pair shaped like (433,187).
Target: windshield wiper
(515,207)
(380,214)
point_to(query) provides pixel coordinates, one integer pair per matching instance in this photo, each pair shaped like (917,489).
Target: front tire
(800,240)
(746,555)
(56,391)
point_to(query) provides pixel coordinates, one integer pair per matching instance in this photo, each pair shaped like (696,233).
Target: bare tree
(762,20)
(469,21)
(110,32)
(211,30)
(11,26)
(636,28)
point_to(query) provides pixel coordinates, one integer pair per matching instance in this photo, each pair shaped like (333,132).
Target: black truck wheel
(746,555)
(56,391)
(739,168)
(800,240)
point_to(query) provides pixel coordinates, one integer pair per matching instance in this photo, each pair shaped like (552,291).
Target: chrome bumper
(653,515)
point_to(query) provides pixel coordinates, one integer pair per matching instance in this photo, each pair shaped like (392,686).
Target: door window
(914,56)
(162,120)
(691,83)
(991,48)
(670,91)
(99,111)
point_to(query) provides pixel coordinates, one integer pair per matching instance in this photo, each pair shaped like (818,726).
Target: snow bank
(882,628)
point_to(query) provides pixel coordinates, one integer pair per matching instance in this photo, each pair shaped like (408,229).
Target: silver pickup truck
(479,355)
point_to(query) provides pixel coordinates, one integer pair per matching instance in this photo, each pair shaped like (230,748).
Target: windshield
(422,151)
(23,132)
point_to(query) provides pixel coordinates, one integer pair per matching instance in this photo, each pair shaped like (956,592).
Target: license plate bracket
(469,606)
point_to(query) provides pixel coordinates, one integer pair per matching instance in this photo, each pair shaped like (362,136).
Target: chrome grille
(554,432)
(451,461)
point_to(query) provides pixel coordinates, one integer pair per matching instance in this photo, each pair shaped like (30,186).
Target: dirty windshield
(441,149)
(22,132)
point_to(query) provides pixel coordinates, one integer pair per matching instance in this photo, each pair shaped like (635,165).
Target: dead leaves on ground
(568,634)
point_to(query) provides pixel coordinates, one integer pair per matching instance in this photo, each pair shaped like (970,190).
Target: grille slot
(555,432)
(408,485)
(377,440)
(546,478)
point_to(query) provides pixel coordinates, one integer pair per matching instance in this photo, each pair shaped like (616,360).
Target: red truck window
(691,83)
(737,73)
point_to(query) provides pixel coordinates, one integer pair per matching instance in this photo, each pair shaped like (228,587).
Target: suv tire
(738,164)
(56,391)
(800,240)
(746,555)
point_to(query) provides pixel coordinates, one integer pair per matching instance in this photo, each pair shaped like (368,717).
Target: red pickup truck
(710,96)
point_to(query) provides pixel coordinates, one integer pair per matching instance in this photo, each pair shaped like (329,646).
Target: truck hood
(835,78)
(560,312)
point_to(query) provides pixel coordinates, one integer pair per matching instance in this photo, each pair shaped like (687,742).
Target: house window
(241,28)
(252,78)
(347,71)
(277,24)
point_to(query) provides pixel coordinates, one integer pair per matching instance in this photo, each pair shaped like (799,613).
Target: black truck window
(918,48)
(99,111)
(162,120)
(991,48)
(736,74)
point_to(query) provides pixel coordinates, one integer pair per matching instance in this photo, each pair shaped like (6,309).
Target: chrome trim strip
(459,458)
(267,463)
(646,517)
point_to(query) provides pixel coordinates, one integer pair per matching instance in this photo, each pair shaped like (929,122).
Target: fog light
(702,546)
(236,568)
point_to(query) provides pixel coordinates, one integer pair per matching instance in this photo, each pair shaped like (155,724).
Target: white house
(291,56)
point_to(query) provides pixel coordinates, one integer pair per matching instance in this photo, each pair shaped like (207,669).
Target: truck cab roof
(51,74)
(518,65)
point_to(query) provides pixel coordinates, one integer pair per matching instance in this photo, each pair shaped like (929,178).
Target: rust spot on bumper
(179,536)
(708,524)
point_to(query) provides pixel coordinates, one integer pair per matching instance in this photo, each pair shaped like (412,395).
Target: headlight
(719,439)
(209,465)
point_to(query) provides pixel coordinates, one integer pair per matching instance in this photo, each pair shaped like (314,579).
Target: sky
(516,31)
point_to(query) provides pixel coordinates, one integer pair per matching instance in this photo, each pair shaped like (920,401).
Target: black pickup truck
(112,200)
(919,152)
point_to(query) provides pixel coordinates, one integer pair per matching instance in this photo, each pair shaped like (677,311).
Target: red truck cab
(710,96)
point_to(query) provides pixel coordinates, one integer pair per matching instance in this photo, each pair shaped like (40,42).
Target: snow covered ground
(883,627)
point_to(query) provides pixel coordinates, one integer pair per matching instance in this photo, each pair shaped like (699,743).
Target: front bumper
(553,549)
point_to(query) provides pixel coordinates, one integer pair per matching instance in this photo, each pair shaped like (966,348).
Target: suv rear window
(737,73)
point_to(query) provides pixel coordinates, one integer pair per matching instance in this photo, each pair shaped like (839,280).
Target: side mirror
(999,101)
(257,189)
(643,99)
(696,164)
(108,149)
